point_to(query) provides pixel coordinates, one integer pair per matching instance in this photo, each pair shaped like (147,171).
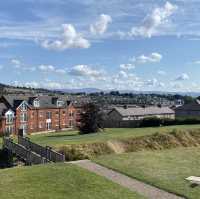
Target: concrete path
(134,185)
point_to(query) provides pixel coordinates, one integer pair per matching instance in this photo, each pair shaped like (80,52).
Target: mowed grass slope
(58,182)
(166,169)
(72,137)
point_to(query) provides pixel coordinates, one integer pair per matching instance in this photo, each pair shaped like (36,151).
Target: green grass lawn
(72,137)
(58,181)
(166,169)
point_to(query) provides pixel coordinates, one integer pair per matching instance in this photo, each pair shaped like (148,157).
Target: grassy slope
(166,169)
(58,182)
(72,137)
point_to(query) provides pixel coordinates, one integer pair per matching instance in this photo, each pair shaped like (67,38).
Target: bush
(154,121)
(151,122)
(6,159)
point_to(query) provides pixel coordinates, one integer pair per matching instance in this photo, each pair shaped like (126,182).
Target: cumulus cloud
(142,59)
(153,21)
(152,82)
(51,68)
(85,71)
(101,25)
(127,66)
(46,68)
(182,77)
(17,64)
(70,39)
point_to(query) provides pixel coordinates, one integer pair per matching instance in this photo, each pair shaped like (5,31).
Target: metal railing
(45,152)
(27,155)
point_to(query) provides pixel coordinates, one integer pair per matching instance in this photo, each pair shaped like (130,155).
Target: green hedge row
(154,121)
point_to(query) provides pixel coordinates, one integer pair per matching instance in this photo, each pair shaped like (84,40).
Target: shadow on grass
(62,136)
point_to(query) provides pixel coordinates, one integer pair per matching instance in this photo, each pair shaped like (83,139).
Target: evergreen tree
(91,120)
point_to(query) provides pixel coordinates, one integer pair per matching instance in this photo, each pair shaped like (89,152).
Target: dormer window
(36,103)
(23,106)
(60,103)
(9,117)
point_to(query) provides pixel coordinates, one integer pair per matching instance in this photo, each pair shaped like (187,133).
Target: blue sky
(116,44)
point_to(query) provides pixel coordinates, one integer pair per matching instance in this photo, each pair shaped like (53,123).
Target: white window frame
(36,103)
(9,117)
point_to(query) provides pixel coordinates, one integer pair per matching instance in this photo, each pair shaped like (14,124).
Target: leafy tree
(91,119)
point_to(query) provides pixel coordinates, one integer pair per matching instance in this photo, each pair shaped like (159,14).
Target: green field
(166,169)
(58,182)
(72,137)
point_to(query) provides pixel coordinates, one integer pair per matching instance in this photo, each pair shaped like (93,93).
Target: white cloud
(32,84)
(101,25)
(60,71)
(85,71)
(161,72)
(46,68)
(153,21)
(51,68)
(127,66)
(152,82)
(70,39)
(183,77)
(16,63)
(142,59)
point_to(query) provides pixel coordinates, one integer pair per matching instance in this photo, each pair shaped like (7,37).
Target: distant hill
(82,90)
(8,89)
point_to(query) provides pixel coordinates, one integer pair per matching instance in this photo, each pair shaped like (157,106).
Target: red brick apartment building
(25,115)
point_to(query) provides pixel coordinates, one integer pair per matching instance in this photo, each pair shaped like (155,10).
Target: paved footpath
(134,185)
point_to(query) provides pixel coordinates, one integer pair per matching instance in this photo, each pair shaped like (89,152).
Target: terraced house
(24,115)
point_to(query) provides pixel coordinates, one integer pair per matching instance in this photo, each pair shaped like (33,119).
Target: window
(9,118)
(40,114)
(23,117)
(59,103)
(40,125)
(36,103)
(71,114)
(23,106)
(9,130)
(48,115)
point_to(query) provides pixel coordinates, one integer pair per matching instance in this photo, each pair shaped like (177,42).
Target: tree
(91,119)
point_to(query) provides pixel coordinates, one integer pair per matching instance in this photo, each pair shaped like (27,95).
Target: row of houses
(23,114)
(130,116)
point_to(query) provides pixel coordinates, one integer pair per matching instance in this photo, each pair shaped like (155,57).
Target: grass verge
(166,169)
(58,181)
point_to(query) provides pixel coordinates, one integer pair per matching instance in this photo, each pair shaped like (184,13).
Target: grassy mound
(156,141)
(58,182)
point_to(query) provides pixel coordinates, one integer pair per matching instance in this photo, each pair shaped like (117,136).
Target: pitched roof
(139,111)
(3,108)
(45,101)
(195,106)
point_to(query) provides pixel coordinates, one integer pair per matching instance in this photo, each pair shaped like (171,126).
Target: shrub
(150,122)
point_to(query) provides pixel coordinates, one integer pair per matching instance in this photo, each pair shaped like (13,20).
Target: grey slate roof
(3,108)
(139,111)
(195,106)
(45,101)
